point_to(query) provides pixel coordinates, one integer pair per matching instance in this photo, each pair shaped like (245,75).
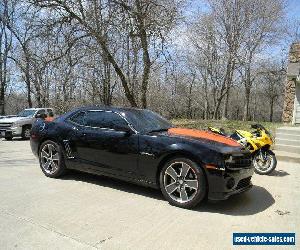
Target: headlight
(15,124)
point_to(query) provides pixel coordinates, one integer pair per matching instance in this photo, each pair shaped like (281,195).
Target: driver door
(104,145)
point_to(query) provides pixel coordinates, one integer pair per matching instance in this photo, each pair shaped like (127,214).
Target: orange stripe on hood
(203,135)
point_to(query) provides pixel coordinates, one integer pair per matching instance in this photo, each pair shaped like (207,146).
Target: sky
(293,7)
(278,51)
(293,17)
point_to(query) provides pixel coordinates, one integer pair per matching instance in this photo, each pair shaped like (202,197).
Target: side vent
(68,149)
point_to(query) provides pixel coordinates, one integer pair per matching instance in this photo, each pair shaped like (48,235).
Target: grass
(228,125)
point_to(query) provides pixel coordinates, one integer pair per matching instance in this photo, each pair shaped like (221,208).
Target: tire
(8,138)
(185,192)
(26,132)
(262,169)
(51,159)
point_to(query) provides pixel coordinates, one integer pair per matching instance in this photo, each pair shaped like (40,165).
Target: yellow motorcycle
(258,142)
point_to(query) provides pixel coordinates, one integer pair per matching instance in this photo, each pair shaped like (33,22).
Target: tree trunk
(189,103)
(248,85)
(246,105)
(27,70)
(271,109)
(29,101)
(2,99)
(28,85)
(118,70)
(106,83)
(206,107)
(38,91)
(225,110)
(216,110)
(145,80)
(146,57)
(228,81)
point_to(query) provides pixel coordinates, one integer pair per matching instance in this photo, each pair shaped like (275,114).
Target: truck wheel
(26,132)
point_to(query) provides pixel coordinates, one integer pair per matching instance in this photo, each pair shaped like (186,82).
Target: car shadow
(252,202)
(14,139)
(5,162)
(279,173)
(113,183)
(20,139)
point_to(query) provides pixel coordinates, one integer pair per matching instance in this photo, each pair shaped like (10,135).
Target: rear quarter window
(78,118)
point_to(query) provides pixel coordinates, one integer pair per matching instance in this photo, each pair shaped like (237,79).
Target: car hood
(211,140)
(13,119)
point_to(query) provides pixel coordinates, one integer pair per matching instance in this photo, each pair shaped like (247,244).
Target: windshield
(261,127)
(27,113)
(145,121)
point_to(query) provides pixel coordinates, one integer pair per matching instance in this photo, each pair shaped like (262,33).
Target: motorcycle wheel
(264,162)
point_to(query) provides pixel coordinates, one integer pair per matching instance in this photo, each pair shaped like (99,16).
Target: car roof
(37,108)
(109,108)
(100,108)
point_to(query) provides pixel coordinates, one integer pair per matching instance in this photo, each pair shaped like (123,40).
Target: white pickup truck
(20,125)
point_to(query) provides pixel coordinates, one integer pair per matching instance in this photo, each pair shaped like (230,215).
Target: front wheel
(26,132)
(183,183)
(264,162)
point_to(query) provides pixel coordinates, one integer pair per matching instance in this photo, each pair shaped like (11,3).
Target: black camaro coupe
(140,146)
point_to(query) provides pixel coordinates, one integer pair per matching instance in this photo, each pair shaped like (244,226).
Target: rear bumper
(224,183)
(34,144)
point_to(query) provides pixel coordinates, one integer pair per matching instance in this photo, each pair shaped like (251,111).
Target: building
(291,107)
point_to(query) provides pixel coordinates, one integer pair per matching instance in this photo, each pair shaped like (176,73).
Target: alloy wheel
(180,182)
(49,158)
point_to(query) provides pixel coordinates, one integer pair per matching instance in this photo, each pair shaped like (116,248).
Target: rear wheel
(8,138)
(264,162)
(51,159)
(183,183)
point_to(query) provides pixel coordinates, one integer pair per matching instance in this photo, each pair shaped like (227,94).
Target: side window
(49,111)
(41,111)
(102,119)
(78,118)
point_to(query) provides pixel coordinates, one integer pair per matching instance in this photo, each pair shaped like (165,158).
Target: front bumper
(222,183)
(11,132)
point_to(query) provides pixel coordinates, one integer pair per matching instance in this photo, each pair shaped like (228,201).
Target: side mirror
(41,116)
(127,130)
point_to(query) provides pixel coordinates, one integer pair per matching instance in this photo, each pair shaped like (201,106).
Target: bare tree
(6,13)
(67,53)
(261,28)
(23,38)
(272,76)
(139,16)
